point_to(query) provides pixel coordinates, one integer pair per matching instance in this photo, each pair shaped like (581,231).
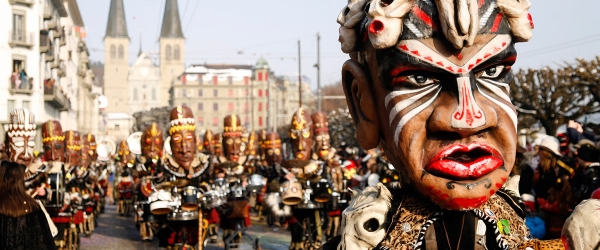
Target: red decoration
(376,26)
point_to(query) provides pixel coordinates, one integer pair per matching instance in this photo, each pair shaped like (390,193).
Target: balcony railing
(54,95)
(51,24)
(20,84)
(25,2)
(22,39)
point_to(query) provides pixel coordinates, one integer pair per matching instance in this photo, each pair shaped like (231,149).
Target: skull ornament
(21,136)
(362,223)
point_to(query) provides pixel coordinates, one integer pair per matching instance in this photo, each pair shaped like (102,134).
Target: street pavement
(118,232)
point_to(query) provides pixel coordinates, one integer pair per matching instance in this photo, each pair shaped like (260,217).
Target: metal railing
(20,84)
(54,95)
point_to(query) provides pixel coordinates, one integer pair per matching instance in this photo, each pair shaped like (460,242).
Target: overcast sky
(241,31)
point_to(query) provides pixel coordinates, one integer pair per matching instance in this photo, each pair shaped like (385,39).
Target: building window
(113,51)
(260,93)
(200,78)
(260,76)
(176,52)
(200,106)
(267,92)
(245,107)
(200,93)
(260,106)
(215,106)
(230,106)
(135,94)
(168,52)
(215,121)
(18,27)
(260,121)
(201,121)
(215,80)
(10,105)
(230,80)
(230,92)
(153,94)
(215,92)
(121,51)
(246,80)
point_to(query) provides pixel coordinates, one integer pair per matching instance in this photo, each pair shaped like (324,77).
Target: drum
(256,183)
(55,181)
(291,193)
(321,191)
(189,198)
(182,215)
(160,202)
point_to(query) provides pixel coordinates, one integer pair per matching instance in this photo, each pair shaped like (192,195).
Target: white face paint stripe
(499,92)
(411,26)
(509,111)
(486,16)
(401,105)
(396,93)
(505,86)
(413,113)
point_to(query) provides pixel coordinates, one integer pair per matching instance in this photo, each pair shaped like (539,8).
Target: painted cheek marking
(394,112)
(489,84)
(468,114)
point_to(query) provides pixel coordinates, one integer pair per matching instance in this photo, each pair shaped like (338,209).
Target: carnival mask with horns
(429,83)
(53,140)
(21,136)
(183,136)
(152,142)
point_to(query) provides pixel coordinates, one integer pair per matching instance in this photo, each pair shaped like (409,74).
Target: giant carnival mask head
(216,144)
(124,153)
(428,82)
(207,140)
(21,136)
(321,135)
(252,148)
(232,137)
(152,142)
(85,158)
(54,141)
(183,136)
(272,148)
(73,148)
(301,135)
(93,146)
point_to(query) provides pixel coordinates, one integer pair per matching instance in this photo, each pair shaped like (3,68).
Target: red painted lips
(465,161)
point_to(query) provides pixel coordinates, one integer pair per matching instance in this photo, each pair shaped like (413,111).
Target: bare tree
(551,96)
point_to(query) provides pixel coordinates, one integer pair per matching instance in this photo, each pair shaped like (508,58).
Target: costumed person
(73,184)
(124,185)
(277,211)
(213,171)
(96,170)
(58,203)
(184,168)
(86,178)
(149,162)
(305,225)
(427,81)
(27,224)
(235,214)
(332,177)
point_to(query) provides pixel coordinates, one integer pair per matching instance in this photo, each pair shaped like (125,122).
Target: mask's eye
(148,140)
(417,80)
(306,133)
(493,71)
(293,135)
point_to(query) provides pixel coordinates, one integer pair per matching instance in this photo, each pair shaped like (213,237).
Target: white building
(144,80)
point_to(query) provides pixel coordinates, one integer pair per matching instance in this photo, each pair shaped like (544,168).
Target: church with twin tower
(143,85)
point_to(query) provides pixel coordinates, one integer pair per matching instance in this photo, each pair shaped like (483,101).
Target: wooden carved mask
(430,86)
(53,140)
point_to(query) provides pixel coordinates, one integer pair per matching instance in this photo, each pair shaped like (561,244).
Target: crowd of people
(556,173)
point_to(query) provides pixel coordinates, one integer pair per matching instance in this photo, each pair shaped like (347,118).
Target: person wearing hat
(552,186)
(587,173)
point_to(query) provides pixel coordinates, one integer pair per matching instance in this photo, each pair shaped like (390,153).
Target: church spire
(116,26)
(171,25)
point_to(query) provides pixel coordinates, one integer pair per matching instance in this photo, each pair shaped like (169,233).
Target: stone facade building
(44,60)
